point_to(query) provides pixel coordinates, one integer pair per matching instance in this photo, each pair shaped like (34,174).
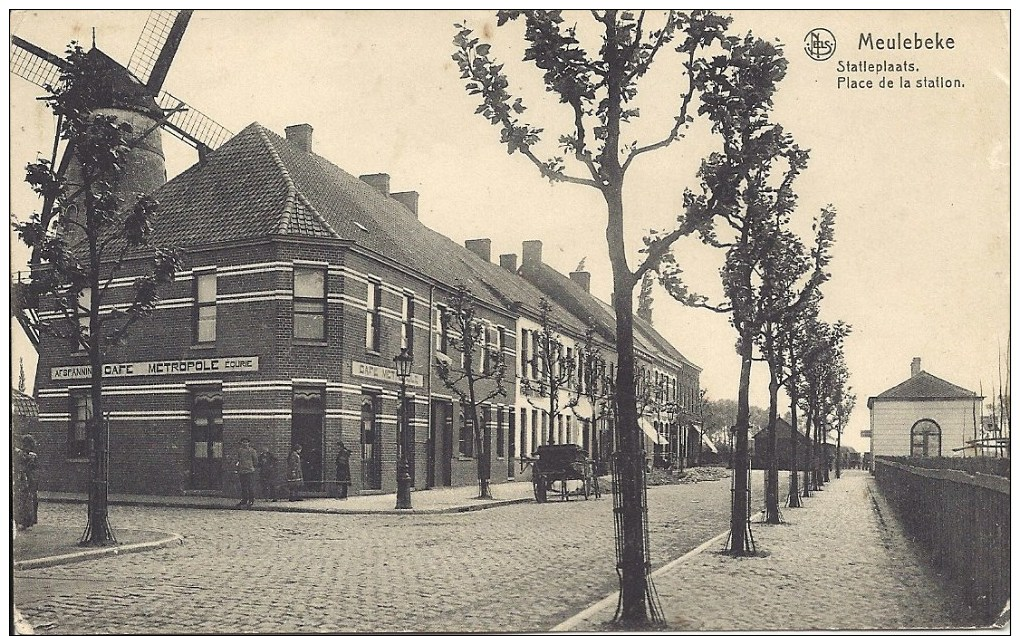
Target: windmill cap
(113,86)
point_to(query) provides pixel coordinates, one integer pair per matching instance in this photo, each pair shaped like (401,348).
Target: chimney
(915,367)
(508,261)
(531,252)
(300,135)
(409,200)
(481,247)
(583,279)
(380,181)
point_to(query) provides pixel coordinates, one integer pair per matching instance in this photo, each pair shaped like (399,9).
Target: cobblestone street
(524,567)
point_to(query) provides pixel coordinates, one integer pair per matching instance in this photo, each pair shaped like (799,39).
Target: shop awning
(649,429)
(705,438)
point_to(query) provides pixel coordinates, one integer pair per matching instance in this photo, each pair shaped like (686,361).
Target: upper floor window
(77,431)
(486,362)
(309,303)
(84,302)
(538,357)
(407,323)
(374,316)
(525,358)
(500,342)
(205,307)
(442,330)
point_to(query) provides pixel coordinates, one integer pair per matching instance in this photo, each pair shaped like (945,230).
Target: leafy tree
(599,90)
(757,202)
(740,190)
(474,383)
(790,277)
(553,368)
(821,362)
(796,346)
(845,403)
(99,234)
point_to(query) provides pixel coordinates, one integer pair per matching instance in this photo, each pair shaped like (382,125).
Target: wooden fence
(962,518)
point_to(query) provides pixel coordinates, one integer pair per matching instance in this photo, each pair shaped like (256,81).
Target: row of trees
(771,277)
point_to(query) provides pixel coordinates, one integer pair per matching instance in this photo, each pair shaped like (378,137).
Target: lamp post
(403,360)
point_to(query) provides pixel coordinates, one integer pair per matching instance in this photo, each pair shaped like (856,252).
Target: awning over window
(649,429)
(708,442)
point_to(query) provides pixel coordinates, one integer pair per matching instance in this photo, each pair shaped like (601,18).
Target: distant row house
(302,284)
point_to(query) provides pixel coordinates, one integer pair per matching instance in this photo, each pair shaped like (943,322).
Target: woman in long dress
(295,476)
(26,485)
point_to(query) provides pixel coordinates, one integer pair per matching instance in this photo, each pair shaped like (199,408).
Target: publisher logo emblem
(819,44)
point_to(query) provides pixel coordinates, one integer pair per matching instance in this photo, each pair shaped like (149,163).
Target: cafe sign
(365,370)
(237,364)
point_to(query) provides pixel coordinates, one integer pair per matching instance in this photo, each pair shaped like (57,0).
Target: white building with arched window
(924,416)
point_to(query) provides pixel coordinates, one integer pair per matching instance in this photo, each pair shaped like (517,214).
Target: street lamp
(403,360)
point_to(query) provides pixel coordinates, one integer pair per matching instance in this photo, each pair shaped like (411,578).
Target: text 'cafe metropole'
(237,364)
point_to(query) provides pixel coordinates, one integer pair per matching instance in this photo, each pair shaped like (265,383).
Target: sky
(919,176)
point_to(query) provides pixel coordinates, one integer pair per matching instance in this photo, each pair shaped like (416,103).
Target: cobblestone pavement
(525,567)
(832,565)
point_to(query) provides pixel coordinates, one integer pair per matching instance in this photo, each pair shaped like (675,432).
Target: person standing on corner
(247,458)
(267,474)
(26,486)
(295,476)
(343,470)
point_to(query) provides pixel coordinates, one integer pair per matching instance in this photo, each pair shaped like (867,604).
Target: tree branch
(680,121)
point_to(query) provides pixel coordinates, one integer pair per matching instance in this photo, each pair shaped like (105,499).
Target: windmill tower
(133,94)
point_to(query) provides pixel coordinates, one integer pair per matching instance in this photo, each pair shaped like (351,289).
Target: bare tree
(593,386)
(478,378)
(553,369)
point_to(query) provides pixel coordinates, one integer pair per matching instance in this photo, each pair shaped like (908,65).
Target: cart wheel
(586,485)
(538,482)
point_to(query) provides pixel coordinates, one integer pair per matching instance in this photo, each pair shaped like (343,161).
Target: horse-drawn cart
(556,464)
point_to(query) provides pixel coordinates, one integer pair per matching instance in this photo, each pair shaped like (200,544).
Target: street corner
(47,546)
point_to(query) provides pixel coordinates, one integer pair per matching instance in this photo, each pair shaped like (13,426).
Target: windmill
(134,94)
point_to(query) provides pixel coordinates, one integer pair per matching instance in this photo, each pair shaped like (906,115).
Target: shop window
(77,431)
(205,307)
(309,303)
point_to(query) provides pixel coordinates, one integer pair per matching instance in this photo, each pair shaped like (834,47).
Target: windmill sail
(35,64)
(191,125)
(157,46)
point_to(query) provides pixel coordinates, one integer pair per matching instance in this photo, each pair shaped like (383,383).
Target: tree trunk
(98,531)
(839,450)
(794,485)
(772,477)
(809,452)
(739,539)
(634,585)
(816,478)
(481,459)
